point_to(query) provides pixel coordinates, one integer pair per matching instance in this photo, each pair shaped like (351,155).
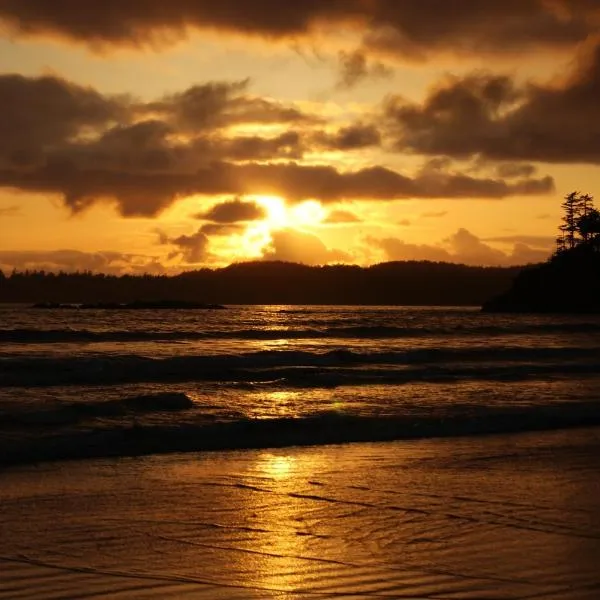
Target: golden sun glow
(307,213)
(280,215)
(277,215)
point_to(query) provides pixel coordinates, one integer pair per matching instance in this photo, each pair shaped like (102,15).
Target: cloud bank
(65,139)
(410,28)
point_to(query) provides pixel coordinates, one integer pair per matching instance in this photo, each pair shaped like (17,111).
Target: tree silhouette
(580,228)
(589,228)
(569,281)
(572,207)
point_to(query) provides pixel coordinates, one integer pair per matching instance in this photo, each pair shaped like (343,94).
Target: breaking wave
(127,439)
(336,367)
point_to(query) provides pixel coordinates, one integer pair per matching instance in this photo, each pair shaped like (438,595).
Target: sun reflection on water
(277,404)
(276,466)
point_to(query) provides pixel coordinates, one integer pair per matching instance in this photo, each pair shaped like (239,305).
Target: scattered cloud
(356,67)
(462,247)
(351,137)
(234,211)
(291,245)
(397,249)
(214,105)
(490,116)
(190,249)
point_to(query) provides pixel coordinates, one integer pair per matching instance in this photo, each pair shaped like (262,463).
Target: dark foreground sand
(489,518)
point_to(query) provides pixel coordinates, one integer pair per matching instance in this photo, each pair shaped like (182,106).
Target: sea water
(91,383)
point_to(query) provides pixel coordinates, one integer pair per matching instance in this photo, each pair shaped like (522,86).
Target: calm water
(279,375)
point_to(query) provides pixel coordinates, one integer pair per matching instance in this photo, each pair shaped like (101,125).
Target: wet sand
(508,517)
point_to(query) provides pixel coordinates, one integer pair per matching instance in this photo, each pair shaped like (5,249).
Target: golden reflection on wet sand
(507,517)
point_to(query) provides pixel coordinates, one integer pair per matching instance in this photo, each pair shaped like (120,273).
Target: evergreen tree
(580,226)
(572,206)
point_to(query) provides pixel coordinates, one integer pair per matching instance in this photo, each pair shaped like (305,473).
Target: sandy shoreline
(476,518)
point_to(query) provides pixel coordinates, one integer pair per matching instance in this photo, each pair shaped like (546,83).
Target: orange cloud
(462,247)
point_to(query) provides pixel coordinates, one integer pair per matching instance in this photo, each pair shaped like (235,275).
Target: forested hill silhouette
(569,282)
(397,283)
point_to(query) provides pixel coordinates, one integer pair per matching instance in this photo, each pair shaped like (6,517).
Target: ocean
(78,384)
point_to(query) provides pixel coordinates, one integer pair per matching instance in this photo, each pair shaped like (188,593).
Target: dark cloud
(508,170)
(299,182)
(291,245)
(88,148)
(147,193)
(352,137)
(191,249)
(356,67)
(218,104)
(411,27)
(489,116)
(74,260)
(46,115)
(37,113)
(234,211)
(461,247)
(61,138)
(341,216)
(287,145)
(419,28)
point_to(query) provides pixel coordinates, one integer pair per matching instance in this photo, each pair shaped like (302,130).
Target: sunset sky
(150,136)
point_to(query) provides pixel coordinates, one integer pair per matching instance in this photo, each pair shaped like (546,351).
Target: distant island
(569,282)
(136,305)
(410,283)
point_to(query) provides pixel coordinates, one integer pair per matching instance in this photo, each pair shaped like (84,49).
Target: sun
(279,215)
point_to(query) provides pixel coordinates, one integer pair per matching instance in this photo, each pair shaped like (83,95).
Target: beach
(504,516)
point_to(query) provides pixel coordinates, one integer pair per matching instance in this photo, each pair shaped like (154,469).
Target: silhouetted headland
(569,282)
(136,305)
